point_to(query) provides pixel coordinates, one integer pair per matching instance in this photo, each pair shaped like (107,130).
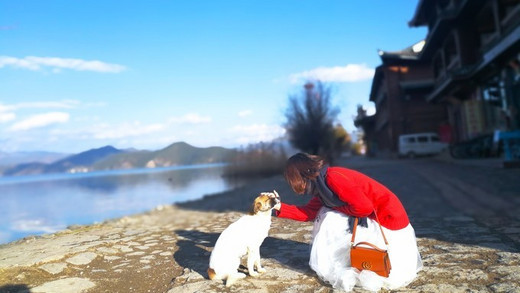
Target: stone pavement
(467,243)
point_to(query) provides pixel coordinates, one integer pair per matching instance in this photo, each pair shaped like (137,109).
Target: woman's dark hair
(301,168)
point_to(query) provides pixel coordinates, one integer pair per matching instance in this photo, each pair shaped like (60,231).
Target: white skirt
(330,253)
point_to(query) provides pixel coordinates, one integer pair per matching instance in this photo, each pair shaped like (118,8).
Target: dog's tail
(211,274)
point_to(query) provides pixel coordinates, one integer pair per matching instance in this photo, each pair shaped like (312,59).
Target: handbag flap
(371,259)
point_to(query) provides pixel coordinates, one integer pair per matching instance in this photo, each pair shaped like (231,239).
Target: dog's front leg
(252,255)
(258,265)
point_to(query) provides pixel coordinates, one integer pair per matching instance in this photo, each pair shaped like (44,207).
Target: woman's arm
(300,213)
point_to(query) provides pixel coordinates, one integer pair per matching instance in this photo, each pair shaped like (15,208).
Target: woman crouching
(338,196)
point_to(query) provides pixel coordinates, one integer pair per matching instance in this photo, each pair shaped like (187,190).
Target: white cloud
(65,104)
(191,118)
(41,120)
(253,133)
(245,113)
(6,117)
(56,64)
(348,73)
(105,131)
(34,225)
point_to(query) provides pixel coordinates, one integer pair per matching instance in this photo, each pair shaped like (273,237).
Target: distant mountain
(110,158)
(16,158)
(82,160)
(25,169)
(179,153)
(76,163)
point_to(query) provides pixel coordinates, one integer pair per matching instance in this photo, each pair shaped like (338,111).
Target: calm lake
(34,205)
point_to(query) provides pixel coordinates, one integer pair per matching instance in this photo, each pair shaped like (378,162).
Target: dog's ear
(258,207)
(255,207)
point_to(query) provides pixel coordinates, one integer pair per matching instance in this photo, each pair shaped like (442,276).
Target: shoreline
(97,173)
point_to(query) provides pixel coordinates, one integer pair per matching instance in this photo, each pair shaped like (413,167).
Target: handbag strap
(371,245)
(355,228)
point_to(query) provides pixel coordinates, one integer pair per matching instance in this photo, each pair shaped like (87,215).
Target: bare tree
(310,120)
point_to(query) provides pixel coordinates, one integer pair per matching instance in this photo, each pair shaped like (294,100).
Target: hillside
(25,169)
(179,153)
(17,158)
(110,158)
(79,162)
(82,160)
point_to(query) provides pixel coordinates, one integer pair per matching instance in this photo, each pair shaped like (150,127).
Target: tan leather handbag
(367,256)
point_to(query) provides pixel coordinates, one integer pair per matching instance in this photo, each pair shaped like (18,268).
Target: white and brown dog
(243,237)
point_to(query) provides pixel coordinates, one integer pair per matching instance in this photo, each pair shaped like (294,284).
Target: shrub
(260,160)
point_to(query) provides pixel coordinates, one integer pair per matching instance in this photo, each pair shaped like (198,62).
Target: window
(422,139)
(493,91)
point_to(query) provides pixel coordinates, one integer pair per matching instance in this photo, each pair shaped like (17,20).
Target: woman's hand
(279,202)
(275,196)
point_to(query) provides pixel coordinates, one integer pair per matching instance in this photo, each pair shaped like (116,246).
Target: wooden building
(473,48)
(463,83)
(399,89)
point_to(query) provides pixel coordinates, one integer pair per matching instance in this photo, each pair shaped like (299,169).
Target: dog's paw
(231,279)
(261,270)
(254,274)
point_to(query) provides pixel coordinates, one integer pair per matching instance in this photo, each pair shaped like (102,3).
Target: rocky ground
(167,249)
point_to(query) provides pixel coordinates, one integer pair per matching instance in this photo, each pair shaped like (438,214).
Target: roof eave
(417,19)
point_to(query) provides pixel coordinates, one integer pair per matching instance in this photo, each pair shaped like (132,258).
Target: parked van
(419,144)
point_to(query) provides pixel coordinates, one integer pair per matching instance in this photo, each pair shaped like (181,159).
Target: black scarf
(329,198)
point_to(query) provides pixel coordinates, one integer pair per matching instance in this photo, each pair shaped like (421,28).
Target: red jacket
(361,194)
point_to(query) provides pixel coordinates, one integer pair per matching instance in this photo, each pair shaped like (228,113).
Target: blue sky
(76,75)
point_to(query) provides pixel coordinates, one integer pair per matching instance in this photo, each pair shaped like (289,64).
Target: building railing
(511,144)
(455,73)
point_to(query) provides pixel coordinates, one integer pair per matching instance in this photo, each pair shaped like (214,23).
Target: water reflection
(45,204)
